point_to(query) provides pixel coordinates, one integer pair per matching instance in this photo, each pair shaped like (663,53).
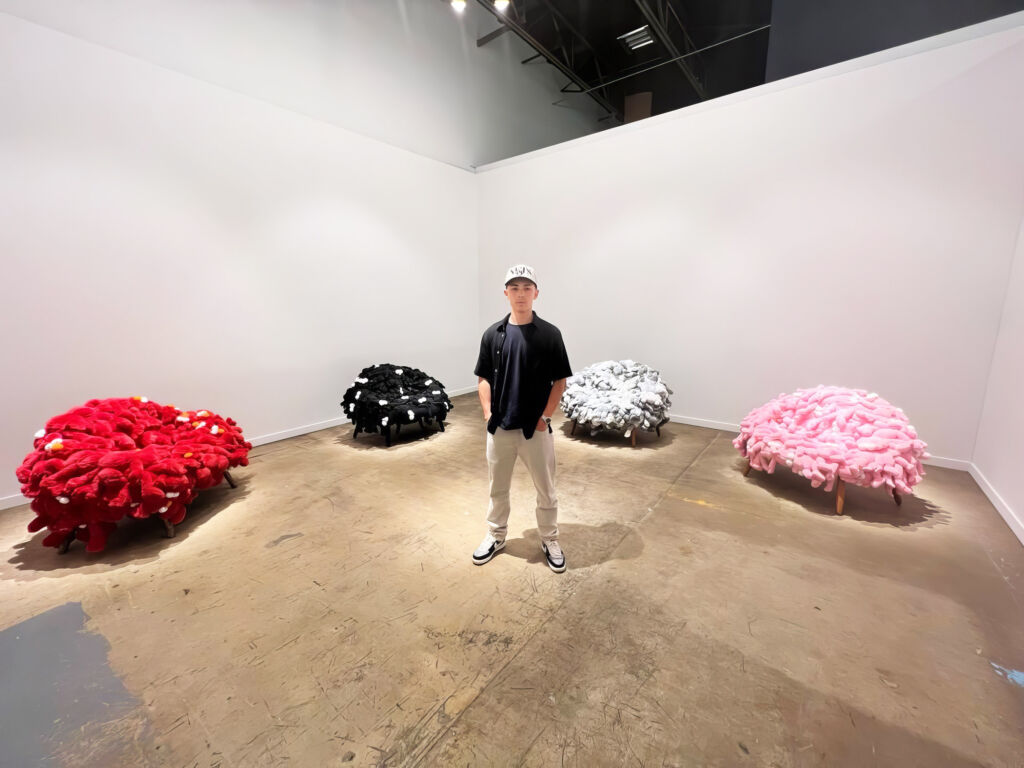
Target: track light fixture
(459,5)
(501,5)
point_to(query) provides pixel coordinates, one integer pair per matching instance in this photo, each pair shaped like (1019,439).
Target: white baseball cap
(524,271)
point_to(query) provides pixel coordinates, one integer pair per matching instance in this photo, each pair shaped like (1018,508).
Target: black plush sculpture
(389,395)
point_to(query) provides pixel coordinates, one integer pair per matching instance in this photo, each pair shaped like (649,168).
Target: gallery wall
(166,237)
(855,227)
(999,450)
(406,72)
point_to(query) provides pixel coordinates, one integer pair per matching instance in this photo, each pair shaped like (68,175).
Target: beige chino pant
(538,454)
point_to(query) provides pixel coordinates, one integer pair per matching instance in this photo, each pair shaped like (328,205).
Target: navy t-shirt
(521,362)
(514,352)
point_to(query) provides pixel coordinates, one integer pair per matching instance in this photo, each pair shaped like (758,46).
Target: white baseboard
(1012,519)
(942,461)
(273,437)
(6,502)
(725,426)
(462,391)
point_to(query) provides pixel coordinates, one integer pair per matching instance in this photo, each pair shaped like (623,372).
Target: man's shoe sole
(498,546)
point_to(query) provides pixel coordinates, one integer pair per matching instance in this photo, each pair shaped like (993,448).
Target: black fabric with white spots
(387,395)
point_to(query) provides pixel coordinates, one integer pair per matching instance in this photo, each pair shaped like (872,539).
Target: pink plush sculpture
(835,435)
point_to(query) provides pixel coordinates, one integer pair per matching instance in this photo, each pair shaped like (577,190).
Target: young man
(521,375)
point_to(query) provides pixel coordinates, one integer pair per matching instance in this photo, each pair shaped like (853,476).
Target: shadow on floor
(584,545)
(867,505)
(610,439)
(410,435)
(133,542)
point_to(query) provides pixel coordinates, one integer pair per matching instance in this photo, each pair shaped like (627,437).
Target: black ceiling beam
(663,37)
(512,24)
(686,35)
(557,14)
(568,24)
(491,36)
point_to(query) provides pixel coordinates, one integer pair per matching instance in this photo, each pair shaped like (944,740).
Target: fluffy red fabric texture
(124,456)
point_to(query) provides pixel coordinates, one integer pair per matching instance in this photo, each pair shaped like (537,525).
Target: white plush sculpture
(617,395)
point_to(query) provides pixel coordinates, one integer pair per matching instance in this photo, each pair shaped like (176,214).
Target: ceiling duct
(638,38)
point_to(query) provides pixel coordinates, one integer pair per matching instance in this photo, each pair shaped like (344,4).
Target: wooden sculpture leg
(897,498)
(573,432)
(66,544)
(634,438)
(230,479)
(387,435)
(169,526)
(746,469)
(840,497)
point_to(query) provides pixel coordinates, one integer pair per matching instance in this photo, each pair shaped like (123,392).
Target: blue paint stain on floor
(1015,676)
(54,679)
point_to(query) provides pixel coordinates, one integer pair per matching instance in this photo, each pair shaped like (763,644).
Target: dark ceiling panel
(582,36)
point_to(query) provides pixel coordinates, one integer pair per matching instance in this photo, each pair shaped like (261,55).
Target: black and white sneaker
(488,548)
(554,555)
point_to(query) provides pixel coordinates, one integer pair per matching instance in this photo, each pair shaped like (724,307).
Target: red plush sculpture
(112,458)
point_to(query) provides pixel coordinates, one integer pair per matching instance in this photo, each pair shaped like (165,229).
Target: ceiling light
(459,5)
(501,5)
(638,38)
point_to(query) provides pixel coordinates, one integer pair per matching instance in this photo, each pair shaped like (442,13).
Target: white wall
(1000,448)
(854,229)
(406,72)
(167,237)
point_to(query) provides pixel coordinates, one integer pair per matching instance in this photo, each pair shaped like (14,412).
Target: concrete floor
(326,613)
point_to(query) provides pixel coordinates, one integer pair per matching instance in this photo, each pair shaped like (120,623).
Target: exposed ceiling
(683,51)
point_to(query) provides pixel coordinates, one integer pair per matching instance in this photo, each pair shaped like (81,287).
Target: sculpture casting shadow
(607,438)
(865,505)
(134,541)
(410,435)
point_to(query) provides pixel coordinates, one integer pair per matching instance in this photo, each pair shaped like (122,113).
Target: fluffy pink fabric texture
(829,432)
